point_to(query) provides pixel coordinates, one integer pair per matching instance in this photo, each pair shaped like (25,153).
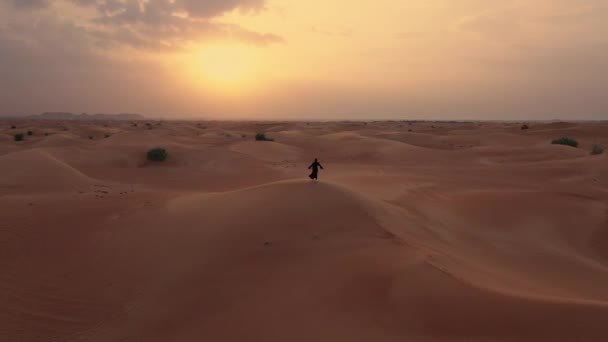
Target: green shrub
(19,137)
(30,133)
(262,137)
(597,149)
(157,154)
(565,141)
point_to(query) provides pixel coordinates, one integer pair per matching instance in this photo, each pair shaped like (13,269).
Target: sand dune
(37,170)
(268,152)
(451,232)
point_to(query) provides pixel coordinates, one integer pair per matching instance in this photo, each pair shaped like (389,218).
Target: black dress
(315,169)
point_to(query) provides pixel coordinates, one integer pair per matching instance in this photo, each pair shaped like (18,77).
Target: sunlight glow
(223,66)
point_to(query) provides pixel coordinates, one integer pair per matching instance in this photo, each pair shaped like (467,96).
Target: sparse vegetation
(565,141)
(46,134)
(157,154)
(525,126)
(597,149)
(19,137)
(107,135)
(13,127)
(90,137)
(262,137)
(30,133)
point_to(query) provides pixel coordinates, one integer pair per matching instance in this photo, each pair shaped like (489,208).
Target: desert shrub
(13,127)
(597,149)
(262,137)
(565,141)
(19,137)
(157,154)
(46,134)
(525,126)
(90,137)
(30,133)
(107,135)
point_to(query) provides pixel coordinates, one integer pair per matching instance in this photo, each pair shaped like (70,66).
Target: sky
(306,60)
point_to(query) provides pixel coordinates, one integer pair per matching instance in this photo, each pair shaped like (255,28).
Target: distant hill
(84,116)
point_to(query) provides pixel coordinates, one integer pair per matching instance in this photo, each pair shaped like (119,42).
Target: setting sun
(223,66)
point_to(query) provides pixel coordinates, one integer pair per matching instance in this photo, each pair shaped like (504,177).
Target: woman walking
(315,169)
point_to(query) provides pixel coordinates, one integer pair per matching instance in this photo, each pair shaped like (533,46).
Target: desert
(414,231)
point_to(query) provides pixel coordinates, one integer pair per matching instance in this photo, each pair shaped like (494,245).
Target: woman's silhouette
(315,169)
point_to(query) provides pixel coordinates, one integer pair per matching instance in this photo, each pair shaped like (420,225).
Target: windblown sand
(448,232)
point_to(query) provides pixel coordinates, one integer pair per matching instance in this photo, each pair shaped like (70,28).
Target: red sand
(461,232)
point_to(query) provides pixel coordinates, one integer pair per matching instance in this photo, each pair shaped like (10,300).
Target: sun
(224,66)
(225,63)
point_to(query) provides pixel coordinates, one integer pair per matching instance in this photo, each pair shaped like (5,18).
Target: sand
(415,232)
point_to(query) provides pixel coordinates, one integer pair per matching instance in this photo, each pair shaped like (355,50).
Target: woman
(315,169)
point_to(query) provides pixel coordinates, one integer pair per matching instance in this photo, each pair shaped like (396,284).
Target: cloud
(29,4)
(211,8)
(88,54)
(140,24)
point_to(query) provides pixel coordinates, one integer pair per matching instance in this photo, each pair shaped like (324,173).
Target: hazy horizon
(284,59)
(171,117)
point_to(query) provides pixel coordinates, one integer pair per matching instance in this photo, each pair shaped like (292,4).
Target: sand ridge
(416,231)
